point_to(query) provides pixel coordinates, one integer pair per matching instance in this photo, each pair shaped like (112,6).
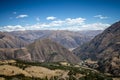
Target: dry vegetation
(116,78)
(33,71)
(7,61)
(42,72)
(8,70)
(1,78)
(22,70)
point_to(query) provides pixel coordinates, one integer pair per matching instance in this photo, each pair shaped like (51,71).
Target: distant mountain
(105,48)
(40,51)
(69,39)
(9,41)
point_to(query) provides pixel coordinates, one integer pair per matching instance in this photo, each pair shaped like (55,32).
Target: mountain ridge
(48,50)
(44,50)
(105,48)
(9,41)
(69,39)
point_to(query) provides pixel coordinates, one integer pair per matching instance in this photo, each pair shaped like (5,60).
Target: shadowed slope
(105,48)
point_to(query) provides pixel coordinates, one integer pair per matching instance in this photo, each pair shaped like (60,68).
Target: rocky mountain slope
(40,51)
(105,48)
(69,39)
(9,41)
(49,51)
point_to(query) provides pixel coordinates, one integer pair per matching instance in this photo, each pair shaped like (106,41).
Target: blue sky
(58,14)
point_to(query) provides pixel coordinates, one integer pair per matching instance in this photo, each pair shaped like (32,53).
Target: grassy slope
(71,72)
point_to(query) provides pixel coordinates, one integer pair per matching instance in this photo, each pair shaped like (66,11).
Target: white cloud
(77,21)
(56,23)
(95,26)
(10,28)
(37,19)
(22,16)
(51,18)
(66,24)
(62,26)
(101,17)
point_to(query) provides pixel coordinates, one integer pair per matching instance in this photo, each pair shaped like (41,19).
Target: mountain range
(42,46)
(52,46)
(68,39)
(44,50)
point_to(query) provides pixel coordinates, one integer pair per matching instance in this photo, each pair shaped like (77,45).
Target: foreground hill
(41,51)
(68,39)
(9,41)
(20,70)
(105,48)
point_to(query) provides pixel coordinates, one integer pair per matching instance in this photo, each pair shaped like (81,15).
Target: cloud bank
(10,28)
(73,24)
